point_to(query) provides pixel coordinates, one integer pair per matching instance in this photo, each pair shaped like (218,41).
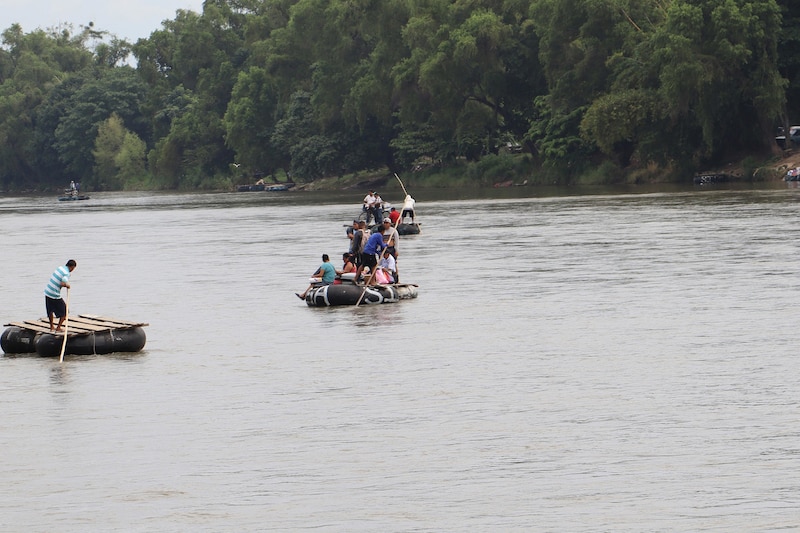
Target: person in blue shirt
(325,275)
(54,304)
(369,258)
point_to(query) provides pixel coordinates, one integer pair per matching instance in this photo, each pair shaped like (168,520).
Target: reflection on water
(574,362)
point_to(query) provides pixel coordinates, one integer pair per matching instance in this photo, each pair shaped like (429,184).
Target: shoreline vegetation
(511,171)
(493,171)
(446,94)
(518,170)
(475,175)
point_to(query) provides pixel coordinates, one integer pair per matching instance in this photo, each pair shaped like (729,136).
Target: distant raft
(86,335)
(404,228)
(348,293)
(72,197)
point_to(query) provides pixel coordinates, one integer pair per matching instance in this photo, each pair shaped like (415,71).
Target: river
(576,361)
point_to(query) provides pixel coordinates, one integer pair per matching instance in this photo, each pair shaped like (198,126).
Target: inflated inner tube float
(348,293)
(102,342)
(18,340)
(86,335)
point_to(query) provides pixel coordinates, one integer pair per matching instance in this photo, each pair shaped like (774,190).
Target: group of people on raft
(372,206)
(74,188)
(372,255)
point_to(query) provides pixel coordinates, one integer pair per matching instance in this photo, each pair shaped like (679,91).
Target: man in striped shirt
(52,293)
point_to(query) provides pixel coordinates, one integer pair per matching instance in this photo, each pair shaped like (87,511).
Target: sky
(127,19)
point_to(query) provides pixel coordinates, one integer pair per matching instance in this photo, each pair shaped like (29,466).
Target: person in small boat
(347,267)
(54,304)
(369,204)
(390,236)
(377,209)
(351,229)
(394,216)
(408,208)
(392,239)
(357,242)
(369,258)
(386,268)
(347,264)
(325,275)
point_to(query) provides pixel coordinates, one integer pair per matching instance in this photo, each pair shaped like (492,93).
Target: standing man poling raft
(369,258)
(408,209)
(54,304)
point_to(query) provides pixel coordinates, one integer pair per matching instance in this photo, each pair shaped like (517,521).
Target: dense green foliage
(312,88)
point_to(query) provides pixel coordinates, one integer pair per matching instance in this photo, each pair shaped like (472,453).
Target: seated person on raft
(325,275)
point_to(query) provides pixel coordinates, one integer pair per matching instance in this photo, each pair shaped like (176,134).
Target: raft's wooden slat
(90,324)
(117,323)
(32,326)
(44,327)
(73,328)
(78,325)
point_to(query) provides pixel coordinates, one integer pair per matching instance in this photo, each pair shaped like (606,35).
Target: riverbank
(757,169)
(518,170)
(747,169)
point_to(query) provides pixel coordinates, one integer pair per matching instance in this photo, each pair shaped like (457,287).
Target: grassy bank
(520,169)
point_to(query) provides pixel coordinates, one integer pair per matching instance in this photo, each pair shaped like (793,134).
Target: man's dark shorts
(369,260)
(57,307)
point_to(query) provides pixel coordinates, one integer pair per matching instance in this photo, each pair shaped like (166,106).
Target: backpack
(364,239)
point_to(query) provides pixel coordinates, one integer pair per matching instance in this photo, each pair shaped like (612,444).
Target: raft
(402,228)
(86,335)
(71,198)
(250,188)
(348,293)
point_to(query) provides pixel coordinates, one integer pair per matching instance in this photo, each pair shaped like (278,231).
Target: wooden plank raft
(78,325)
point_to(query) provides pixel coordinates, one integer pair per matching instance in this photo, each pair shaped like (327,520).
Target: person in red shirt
(394,216)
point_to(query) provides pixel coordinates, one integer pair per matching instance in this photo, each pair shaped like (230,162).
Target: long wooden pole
(401,184)
(66,327)
(406,193)
(369,281)
(372,275)
(395,236)
(363,292)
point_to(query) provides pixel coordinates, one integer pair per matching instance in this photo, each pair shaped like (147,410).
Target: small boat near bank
(268,187)
(73,193)
(348,293)
(86,335)
(72,197)
(250,188)
(278,187)
(709,179)
(793,174)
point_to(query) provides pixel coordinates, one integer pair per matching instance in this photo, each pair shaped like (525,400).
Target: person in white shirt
(408,208)
(377,208)
(387,265)
(369,205)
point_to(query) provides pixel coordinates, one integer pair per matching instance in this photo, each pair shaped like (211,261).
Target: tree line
(310,88)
